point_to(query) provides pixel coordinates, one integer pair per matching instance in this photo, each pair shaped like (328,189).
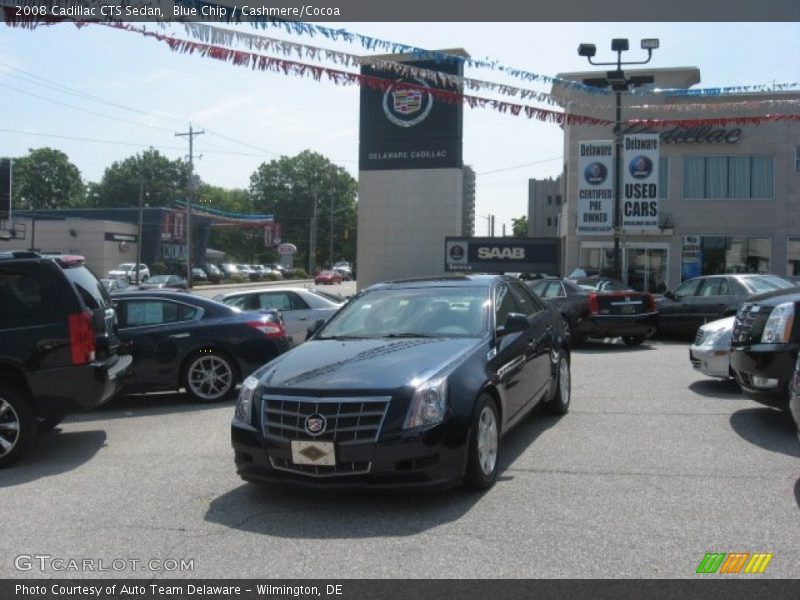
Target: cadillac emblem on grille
(316,424)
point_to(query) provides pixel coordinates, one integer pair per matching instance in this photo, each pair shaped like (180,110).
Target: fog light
(764,382)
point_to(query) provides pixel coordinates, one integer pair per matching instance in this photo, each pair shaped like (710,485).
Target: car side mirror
(315,327)
(669,294)
(514,322)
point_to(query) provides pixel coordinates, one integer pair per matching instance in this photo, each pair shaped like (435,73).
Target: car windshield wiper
(409,335)
(343,337)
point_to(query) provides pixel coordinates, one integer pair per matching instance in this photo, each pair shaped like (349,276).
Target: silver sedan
(710,352)
(300,307)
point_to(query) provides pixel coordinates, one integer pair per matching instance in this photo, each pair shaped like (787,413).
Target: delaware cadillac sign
(501,255)
(405,126)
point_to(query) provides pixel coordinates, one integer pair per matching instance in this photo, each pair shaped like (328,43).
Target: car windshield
(125,267)
(412,312)
(159,279)
(766,283)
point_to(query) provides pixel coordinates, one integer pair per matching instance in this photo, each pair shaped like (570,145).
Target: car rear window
(91,291)
(766,283)
(29,296)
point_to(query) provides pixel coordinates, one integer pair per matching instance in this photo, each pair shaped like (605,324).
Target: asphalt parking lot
(654,466)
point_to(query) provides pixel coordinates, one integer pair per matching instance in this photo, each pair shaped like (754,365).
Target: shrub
(273,276)
(158,268)
(238,278)
(300,274)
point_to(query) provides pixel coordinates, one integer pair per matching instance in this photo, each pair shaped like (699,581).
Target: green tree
(240,243)
(288,187)
(165,181)
(520,226)
(46,179)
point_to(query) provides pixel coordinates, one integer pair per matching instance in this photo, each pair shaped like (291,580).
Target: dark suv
(59,350)
(765,344)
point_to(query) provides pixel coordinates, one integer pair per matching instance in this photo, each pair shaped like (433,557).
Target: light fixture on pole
(618,82)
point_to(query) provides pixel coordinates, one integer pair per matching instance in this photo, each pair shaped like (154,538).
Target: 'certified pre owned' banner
(502,255)
(640,182)
(595,188)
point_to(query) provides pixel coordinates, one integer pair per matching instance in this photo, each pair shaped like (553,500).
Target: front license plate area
(313,453)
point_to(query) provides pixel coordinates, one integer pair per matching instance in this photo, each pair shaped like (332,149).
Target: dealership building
(728,193)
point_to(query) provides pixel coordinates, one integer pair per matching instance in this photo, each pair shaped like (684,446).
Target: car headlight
(244,404)
(428,404)
(779,325)
(718,338)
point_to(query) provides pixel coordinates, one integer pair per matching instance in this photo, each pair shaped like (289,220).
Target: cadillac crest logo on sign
(407,103)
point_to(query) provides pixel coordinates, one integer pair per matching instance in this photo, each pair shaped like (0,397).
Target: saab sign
(502,255)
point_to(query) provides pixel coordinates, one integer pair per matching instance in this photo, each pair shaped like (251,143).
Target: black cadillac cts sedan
(412,383)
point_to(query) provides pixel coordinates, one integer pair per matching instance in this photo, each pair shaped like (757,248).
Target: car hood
(726,323)
(364,364)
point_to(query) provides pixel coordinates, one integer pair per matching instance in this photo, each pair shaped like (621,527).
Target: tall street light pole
(618,83)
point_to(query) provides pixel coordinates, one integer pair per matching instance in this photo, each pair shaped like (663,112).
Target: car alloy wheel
(209,378)
(484,445)
(558,403)
(9,427)
(17,425)
(487,441)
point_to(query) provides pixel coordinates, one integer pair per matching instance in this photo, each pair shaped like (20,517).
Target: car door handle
(177,336)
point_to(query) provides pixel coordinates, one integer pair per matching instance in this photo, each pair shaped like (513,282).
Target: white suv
(128,271)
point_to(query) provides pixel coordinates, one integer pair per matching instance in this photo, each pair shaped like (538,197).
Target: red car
(329,277)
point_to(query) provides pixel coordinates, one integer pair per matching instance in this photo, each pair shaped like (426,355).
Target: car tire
(559,403)
(47,424)
(484,445)
(210,376)
(17,425)
(633,340)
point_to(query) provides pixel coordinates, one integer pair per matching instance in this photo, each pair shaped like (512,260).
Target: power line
(536,162)
(120,143)
(58,87)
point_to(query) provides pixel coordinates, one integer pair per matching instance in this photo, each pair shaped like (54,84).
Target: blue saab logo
(595,173)
(640,167)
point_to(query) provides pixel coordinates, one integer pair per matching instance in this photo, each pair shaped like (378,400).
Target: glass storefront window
(729,254)
(793,256)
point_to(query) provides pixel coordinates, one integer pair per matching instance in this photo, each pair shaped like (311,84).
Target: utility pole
(492,226)
(139,240)
(190,134)
(312,239)
(330,253)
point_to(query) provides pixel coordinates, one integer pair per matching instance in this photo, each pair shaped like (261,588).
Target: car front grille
(698,339)
(348,421)
(349,468)
(749,324)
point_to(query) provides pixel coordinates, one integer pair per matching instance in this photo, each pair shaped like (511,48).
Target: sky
(250,117)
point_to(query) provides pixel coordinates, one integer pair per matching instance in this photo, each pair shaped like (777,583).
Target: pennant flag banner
(288,67)
(378,44)
(261,62)
(230,218)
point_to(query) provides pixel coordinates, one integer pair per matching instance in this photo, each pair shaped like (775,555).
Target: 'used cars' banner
(595,188)
(640,182)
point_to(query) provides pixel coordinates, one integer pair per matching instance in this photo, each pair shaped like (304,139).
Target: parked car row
(599,306)
(758,347)
(69,345)
(125,273)
(410,383)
